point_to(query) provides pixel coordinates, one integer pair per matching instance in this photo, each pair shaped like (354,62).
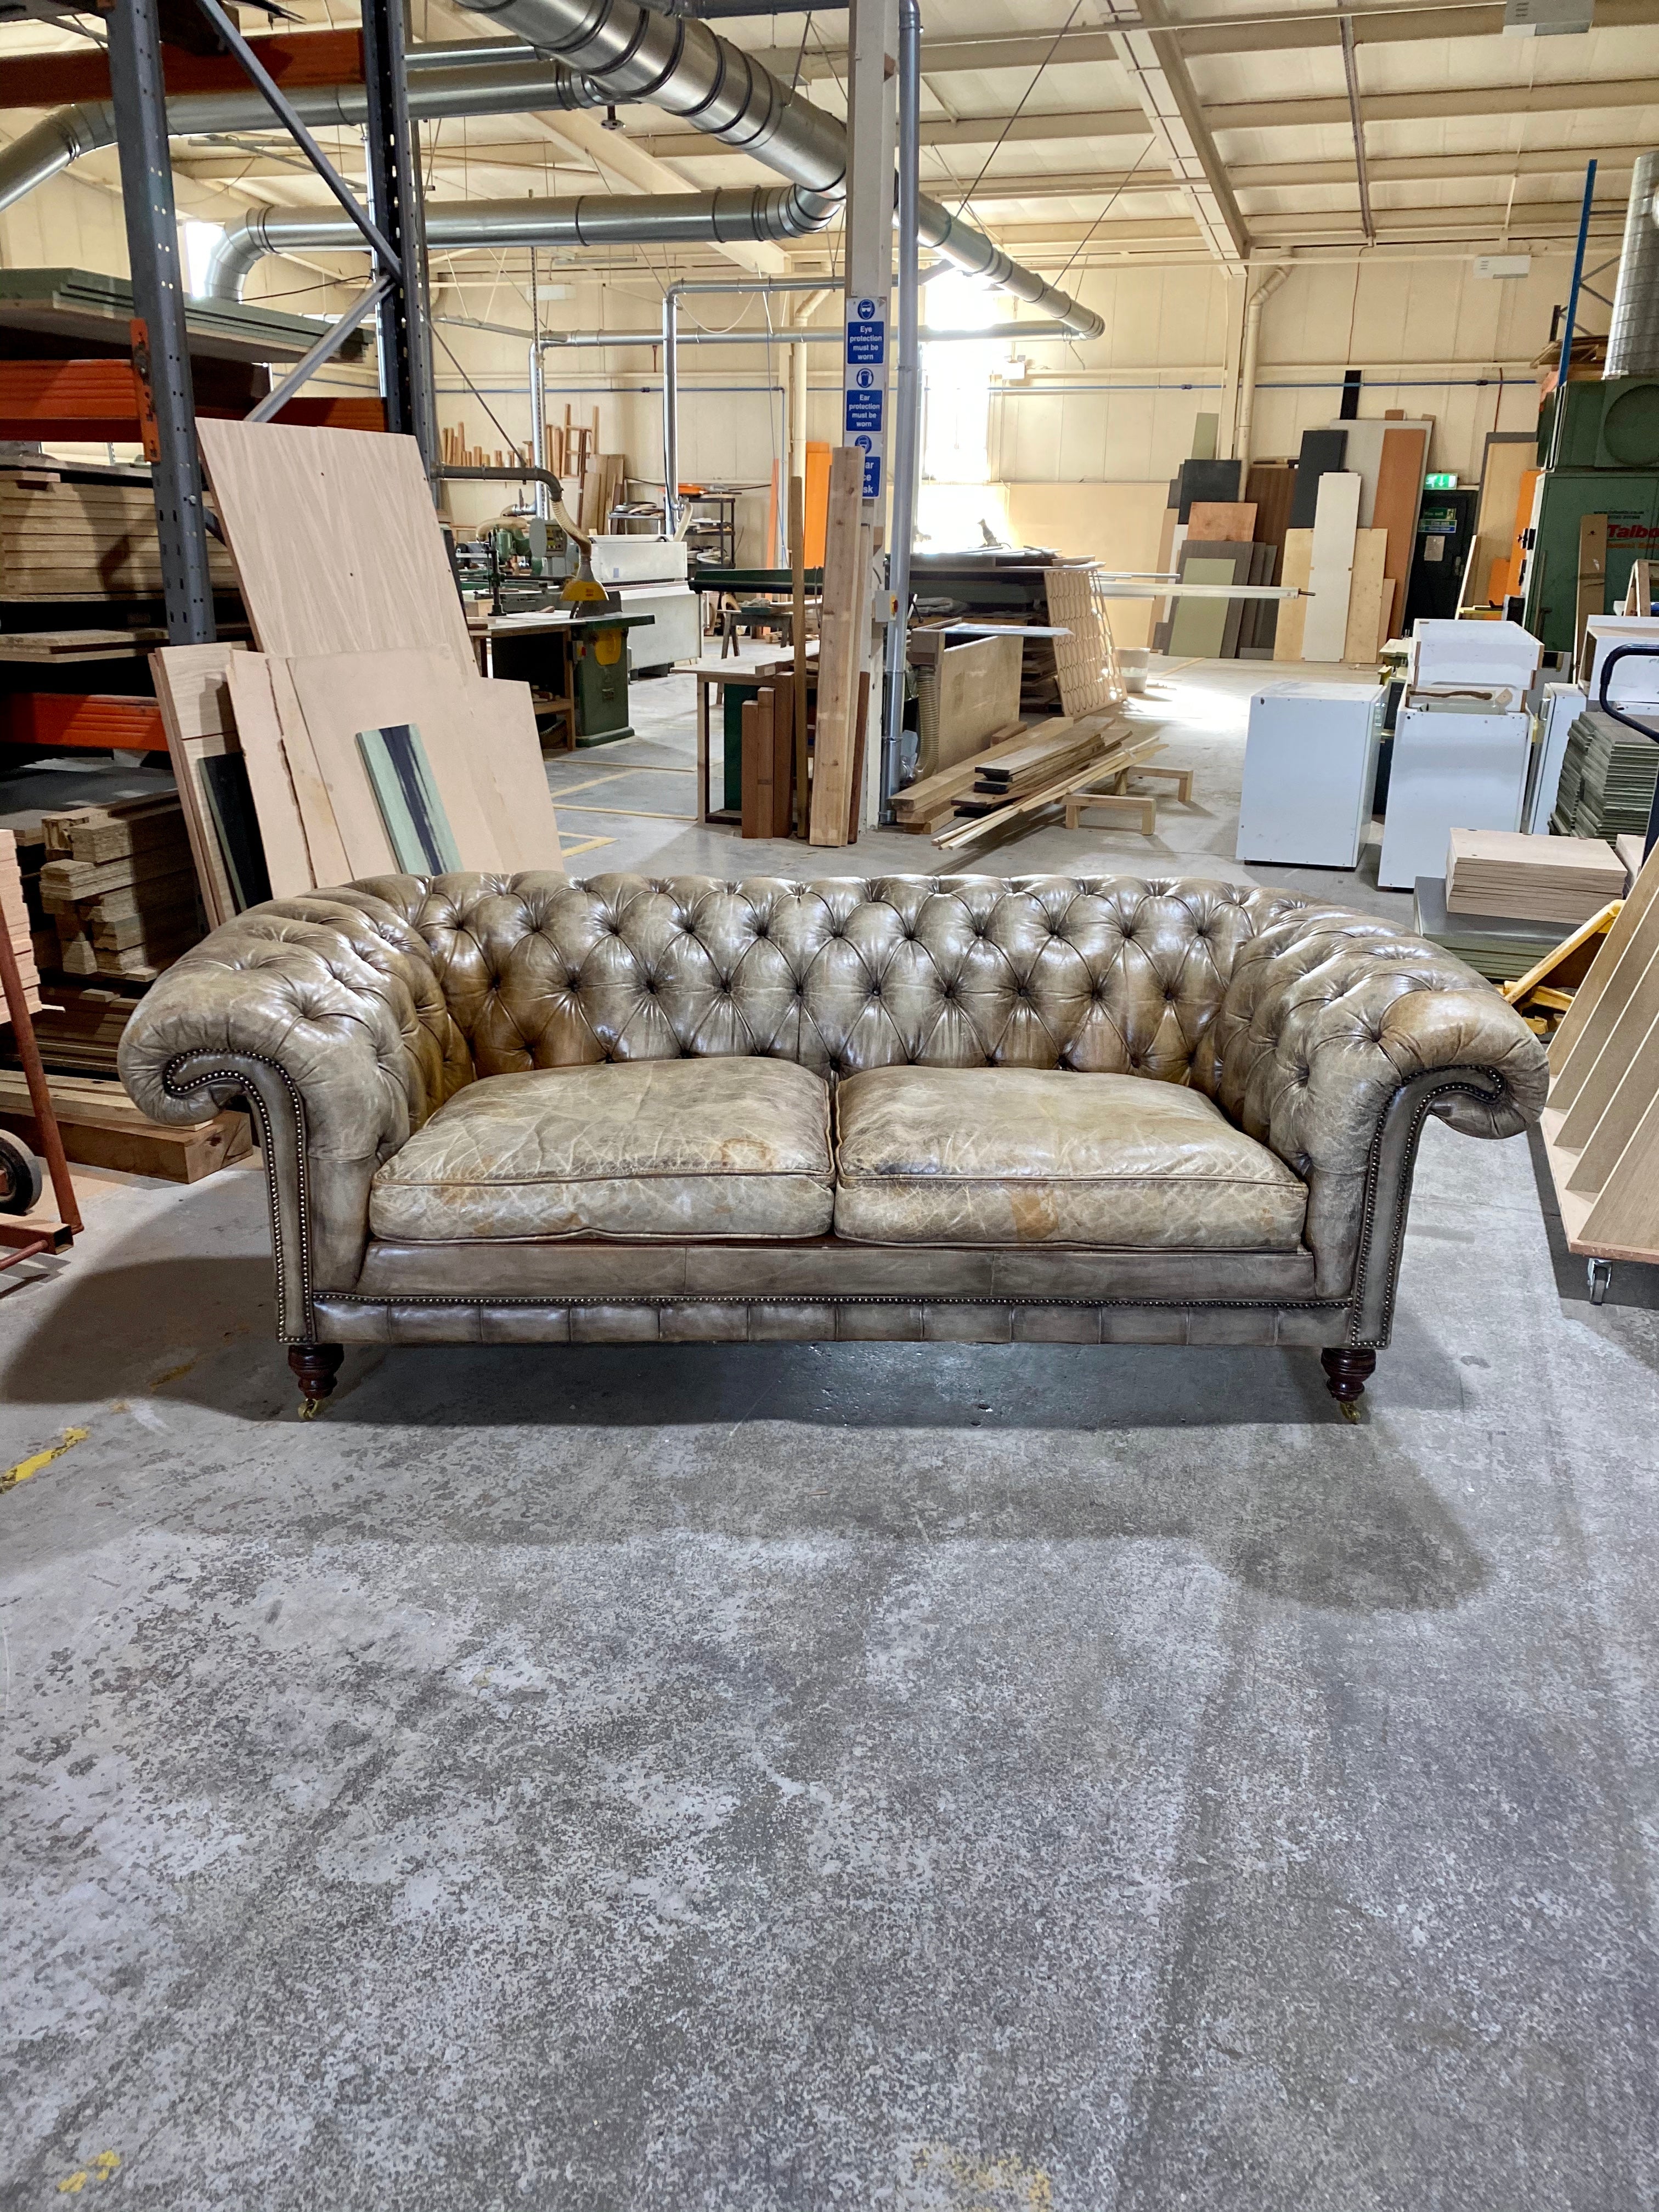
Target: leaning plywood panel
(1366,588)
(1293,613)
(282,828)
(192,691)
(1330,569)
(1085,659)
(341,694)
(336,541)
(1399,496)
(511,775)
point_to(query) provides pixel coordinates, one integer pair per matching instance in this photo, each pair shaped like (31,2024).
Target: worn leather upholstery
(677,1148)
(370,1006)
(1016,1156)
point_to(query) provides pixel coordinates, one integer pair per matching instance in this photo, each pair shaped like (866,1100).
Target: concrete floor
(939,1779)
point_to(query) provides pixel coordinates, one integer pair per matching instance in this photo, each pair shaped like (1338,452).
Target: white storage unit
(1450,771)
(1310,769)
(1563,704)
(1635,683)
(676,631)
(623,560)
(1474,652)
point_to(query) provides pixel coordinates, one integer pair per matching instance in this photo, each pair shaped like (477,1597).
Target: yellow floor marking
(26,1468)
(630,813)
(583,845)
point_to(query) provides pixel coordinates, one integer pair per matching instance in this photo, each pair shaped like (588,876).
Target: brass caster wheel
(309,1409)
(1350,1410)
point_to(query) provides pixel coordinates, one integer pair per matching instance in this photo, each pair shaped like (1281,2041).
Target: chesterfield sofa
(528,1110)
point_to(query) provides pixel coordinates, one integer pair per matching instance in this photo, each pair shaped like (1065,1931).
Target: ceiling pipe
(1633,334)
(594,219)
(684,68)
(514,87)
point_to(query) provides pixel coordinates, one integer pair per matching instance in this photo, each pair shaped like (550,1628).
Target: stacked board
(84,541)
(1563,880)
(1608,775)
(1496,946)
(120,887)
(15,920)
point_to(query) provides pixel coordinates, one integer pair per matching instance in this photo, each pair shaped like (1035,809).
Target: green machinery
(1608,464)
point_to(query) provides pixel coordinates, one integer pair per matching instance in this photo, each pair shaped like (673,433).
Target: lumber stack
(929,803)
(843,642)
(84,541)
(1040,772)
(102,1128)
(1545,879)
(15,920)
(119,885)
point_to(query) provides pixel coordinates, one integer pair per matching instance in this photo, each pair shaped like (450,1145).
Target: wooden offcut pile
(119,886)
(1017,777)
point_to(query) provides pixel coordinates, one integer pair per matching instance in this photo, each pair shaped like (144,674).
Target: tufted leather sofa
(505,1109)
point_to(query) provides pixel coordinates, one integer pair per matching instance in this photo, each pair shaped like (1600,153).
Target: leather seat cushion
(1021,1155)
(637,1149)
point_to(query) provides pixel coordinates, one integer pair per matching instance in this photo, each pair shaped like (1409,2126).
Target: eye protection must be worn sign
(864,422)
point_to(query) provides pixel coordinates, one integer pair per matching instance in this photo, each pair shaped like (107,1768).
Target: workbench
(539,648)
(737,681)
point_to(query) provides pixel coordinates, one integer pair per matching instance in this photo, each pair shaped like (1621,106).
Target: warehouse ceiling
(1078,135)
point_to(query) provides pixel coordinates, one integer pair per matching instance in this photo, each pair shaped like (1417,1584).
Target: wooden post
(797,634)
(841,628)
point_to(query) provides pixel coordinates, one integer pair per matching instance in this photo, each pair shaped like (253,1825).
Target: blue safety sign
(865,386)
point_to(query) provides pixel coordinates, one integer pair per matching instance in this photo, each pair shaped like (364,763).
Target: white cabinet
(1563,704)
(1310,769)
(1450,771)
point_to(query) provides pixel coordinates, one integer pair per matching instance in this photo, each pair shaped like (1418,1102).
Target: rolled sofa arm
(1329,1017)
(325,1012)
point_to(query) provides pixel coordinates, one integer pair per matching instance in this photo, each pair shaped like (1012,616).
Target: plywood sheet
(335,538)
(326,848)
(1367,589)
(1221,521)
(971,692)
(1270,488)
(340,694)
(1399,496)
(259,732)
(1293,613)
(1330,571)
(1085,661)
(1198,625)
(192,691)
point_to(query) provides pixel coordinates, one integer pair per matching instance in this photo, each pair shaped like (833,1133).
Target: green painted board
(1199,624)
(400,776)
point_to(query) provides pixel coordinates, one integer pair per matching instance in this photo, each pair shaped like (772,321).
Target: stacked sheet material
(1547,879)
(1608,775)
(1495,946)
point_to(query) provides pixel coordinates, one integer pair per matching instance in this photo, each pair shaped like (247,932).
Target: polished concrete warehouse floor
(935,1777)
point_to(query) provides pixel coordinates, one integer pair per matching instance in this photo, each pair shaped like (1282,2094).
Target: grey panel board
(1321,452)
(1205,481)
(78,304)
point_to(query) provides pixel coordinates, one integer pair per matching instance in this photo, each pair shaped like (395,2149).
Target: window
(958,504)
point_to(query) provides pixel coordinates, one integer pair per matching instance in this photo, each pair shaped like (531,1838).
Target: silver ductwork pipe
(723,218)
(687,69)
(1633,335)
(510,88)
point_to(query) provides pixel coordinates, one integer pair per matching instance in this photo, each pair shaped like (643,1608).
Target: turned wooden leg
(315,1366)
(1346,1374)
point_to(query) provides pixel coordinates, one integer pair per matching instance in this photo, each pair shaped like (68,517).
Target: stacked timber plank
(15,920)
(101,1127)
(84,541)
(1548,879)
(928,805)
(1608,775)
(118,883)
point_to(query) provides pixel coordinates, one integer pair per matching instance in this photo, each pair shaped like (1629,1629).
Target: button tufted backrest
(1110,974)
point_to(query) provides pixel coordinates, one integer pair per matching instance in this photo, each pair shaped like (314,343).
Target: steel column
(907,397)
(161,344)
(392,138)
